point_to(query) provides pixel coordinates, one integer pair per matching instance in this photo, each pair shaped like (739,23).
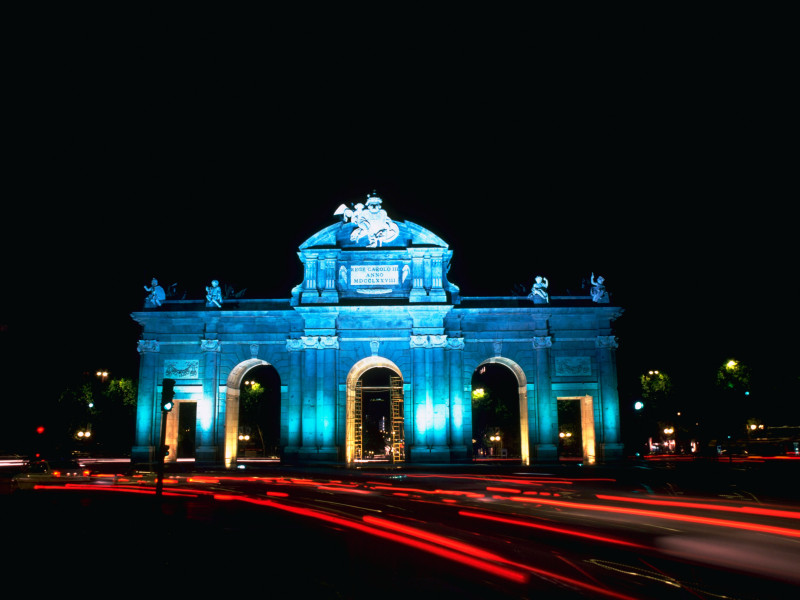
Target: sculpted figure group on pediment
(371,222)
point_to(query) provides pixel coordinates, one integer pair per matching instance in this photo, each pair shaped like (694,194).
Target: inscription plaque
(374,275)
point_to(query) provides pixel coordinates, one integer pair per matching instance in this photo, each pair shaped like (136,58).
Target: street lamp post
(670,442)
(495,439)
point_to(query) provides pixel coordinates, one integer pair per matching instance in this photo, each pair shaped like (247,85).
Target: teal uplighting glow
(458,416)
(205,416)
(439,421)
(421,420)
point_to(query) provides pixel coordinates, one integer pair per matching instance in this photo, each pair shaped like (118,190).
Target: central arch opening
(378,413)
(375,420)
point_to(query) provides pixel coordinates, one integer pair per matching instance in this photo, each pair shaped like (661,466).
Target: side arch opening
(500,411)
(233,400)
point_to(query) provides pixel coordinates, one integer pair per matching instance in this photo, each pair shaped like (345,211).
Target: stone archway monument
(375,293)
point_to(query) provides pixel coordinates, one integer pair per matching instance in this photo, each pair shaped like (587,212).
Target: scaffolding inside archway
(396,427)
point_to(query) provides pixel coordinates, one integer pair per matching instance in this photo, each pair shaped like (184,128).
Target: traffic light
(166,450)
(167,394)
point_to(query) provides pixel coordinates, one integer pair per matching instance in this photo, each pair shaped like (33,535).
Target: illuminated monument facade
(375,296)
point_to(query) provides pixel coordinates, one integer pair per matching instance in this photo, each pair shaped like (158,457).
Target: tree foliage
(734,375)
(656,386)
(107,410)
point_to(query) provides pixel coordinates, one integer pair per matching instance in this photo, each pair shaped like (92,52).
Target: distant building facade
(375,295)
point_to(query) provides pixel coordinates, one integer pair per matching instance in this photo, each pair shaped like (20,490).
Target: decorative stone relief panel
(182,369)
(148,346)
(571,366)
(606,341)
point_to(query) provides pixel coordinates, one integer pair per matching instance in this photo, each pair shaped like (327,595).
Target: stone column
(440,384)
(295,395)
(329,294)
(610,446)
(437,293)
(318,420)
(418,293)
(419,431)
(308,415)
(431,399)
(326,378)
(206,445)
(546,409)
(310,292)
(148,417)
(460,425)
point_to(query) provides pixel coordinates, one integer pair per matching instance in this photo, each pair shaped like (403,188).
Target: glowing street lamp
(496,440)
(102,375)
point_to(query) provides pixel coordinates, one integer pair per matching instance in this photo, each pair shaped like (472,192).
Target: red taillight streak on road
(203,480)
(767,512)
(397,490)
(520,481)
(466,513)
(664,515)
(479,552)
(506,573)
(117,488)
(338,488)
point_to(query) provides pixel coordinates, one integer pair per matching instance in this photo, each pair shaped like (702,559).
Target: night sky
(667,173)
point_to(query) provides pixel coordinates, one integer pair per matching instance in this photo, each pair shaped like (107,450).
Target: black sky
(663,167)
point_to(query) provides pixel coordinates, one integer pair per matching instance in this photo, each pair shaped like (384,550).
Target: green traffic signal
(167,395)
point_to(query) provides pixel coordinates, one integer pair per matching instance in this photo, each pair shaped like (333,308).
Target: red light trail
(663,515)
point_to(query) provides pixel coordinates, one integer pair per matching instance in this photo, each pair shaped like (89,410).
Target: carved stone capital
(374,346)
(419,341)
(330,342)
(606,341)
(310,342)
(542,342)
(147,346)
(210,346)
(314,342)
(455,343)
(428,341)
(438,341)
